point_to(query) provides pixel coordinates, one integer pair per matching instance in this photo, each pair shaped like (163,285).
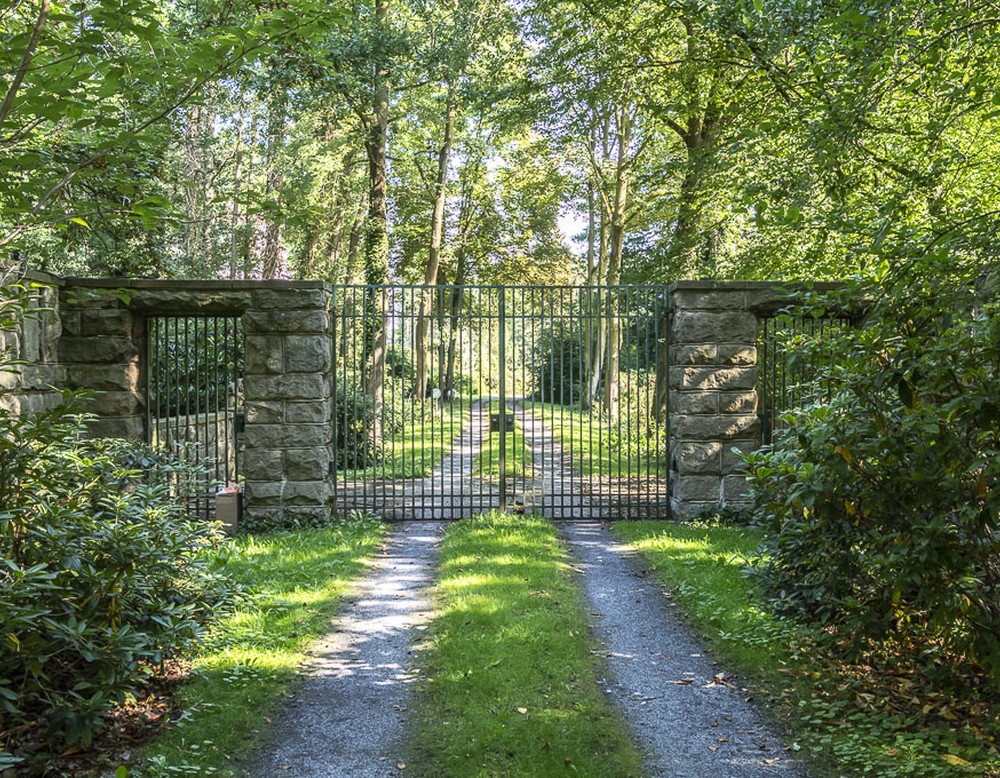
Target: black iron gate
(193,402)
(452,400)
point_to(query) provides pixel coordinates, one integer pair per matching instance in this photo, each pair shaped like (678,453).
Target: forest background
(457,141)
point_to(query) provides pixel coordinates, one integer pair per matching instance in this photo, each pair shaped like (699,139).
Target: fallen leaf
(683,681)
(400,765)
(957,761)
(523,711)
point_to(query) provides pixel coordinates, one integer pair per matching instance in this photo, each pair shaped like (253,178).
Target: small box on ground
(229,509)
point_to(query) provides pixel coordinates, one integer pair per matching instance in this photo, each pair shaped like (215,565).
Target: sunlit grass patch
(510,683)
(292,583)
(849,719)
(631,444)
(518,458)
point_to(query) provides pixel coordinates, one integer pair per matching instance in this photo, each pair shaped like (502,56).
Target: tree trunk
(376,255)
(611,377)
(434,254)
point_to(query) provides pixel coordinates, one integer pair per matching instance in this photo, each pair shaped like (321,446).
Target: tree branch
(22,69)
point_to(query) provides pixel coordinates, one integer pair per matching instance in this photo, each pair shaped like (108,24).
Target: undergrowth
(291,582)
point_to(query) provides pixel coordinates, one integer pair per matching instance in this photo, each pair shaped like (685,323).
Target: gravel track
(691,722)
(348,720)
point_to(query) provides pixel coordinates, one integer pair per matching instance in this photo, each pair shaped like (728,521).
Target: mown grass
(510,683)
(848,720)
(518,458)
(627,446)
(419,438)
(292,583)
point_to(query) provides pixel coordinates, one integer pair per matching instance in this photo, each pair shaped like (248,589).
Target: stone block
(737,354)
(683,510)
(708,300)
(294,386)
(280,436)
(111,378)
(70,320)
(702,354)
(218,302)
(290,299)
(128,427)
(264,354)
(714,327)
(732,462)
(98,350)
(315,412)
(308,493)
(116,404)
(261,464)
(308,515)
(264,515)
(698,488)
(693,458)
(737,402)
(735,489)
(713,378)
(709,428)
(107,321)
(264,493)
(286,322)
(308,353)
(307,464)
(694,403)
(261,412)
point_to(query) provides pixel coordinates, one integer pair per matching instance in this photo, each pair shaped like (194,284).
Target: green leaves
(882,500)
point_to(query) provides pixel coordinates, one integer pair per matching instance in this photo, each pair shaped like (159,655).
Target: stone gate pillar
(713,395)
(288,403)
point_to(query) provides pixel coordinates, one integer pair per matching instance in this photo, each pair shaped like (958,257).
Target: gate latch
(495,422)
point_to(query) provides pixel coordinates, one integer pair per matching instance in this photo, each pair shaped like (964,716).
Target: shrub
(356,444)
(102,577)
(882,498)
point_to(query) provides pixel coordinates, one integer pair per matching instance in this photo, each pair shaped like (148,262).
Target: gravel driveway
(691,722)
(348,719)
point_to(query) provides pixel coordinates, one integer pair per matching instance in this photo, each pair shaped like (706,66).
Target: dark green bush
(882,496)
(355,416)
(102,577)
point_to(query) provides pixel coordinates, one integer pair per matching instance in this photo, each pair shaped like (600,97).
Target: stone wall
(27,388)
(92,335)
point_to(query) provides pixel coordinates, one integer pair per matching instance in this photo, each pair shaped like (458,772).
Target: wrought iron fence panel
(451,400)
(193,399)
(785,382)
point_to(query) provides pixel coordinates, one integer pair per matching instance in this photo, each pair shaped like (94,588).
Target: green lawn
(293,582)
(849,720)
(417,440)
(510,683)
(627,446)
(518,458)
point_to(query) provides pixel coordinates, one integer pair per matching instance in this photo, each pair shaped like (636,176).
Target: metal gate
(452,400)
(193,403)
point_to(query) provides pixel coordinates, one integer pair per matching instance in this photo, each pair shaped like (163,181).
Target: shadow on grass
(291,583)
